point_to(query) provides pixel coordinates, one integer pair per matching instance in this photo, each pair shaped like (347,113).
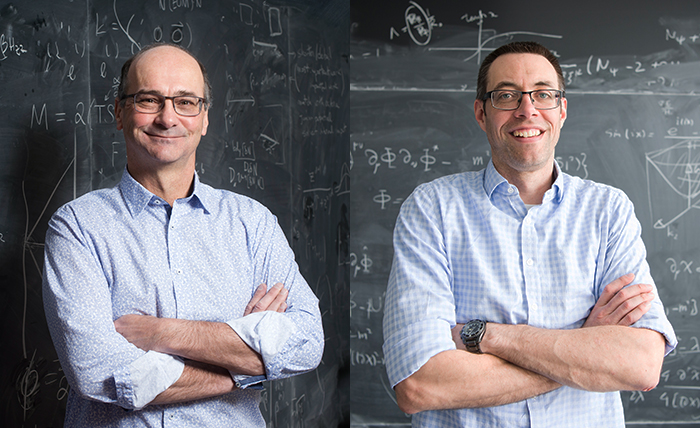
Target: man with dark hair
(155,290)
(519,295)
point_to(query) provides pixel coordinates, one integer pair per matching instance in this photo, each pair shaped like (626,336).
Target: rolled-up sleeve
(625,252)
(292,342)
(419,309)
(99,363)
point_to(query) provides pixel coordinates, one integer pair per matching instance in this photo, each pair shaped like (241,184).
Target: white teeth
(528,133)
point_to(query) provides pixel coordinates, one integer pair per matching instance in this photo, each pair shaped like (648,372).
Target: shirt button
(510,190)
(530,262)
(528,221)
(534,306)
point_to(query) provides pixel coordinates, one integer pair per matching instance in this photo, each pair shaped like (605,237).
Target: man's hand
(621,306)
(143,331)
(263,300)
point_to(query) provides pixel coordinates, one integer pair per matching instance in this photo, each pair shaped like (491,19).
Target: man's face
(162,139)
(522,140)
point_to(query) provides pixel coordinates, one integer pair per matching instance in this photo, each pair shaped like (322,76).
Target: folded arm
(601,359)
(213,343)
(458,379)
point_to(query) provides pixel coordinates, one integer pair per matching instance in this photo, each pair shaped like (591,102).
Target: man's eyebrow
(510,85)
(180,93)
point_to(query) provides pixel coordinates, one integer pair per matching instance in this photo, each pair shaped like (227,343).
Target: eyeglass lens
(153,103)
(542,99)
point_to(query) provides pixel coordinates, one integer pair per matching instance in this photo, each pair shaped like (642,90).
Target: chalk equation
(360,264)
(682,267)
(419,24)
(391,158)
(371,306)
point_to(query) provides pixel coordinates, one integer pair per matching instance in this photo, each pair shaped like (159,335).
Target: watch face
(473,328)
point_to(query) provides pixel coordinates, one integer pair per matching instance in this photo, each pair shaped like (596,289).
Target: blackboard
(633,88)
(278,133)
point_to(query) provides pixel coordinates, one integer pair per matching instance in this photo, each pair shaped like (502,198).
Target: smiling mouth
(164,137)
(527,133)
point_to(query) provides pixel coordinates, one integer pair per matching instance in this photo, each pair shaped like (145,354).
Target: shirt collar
(138,197)
(493,180)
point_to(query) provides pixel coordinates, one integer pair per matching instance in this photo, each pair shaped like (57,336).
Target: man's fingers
(280,298)
(268,300)
(628,298)
(257,296)
(632,309)
(614,287)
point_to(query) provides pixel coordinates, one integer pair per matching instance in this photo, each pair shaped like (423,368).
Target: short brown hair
(515,47)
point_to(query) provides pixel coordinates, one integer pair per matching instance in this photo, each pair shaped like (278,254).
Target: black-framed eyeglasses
(509,99)
(184,105)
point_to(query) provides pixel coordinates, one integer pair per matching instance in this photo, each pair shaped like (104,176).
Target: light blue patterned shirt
(466,247)
(125,251)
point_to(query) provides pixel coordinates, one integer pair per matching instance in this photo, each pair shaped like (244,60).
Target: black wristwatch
(471,335)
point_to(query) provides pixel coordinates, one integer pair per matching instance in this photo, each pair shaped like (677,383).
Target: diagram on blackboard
(678,167)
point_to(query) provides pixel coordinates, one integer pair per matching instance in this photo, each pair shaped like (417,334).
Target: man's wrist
(487,339)
(471,334)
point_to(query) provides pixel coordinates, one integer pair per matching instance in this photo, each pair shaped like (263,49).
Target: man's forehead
(517,68)
(169,65)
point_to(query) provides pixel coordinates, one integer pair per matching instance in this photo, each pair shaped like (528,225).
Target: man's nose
(167,116)
(527,106)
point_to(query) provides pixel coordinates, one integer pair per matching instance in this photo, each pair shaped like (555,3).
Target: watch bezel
(471,335)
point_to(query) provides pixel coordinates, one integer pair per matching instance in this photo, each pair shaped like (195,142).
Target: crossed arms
(211,349)
(140,360)
(521,362)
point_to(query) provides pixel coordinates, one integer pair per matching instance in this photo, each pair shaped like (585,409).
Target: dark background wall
(633,79)
(279,132)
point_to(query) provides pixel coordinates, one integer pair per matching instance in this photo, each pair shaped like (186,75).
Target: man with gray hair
(156,291)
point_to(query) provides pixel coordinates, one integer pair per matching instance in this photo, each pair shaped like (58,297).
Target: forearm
(457,379)
(198,380)
(605,358)
(211,343)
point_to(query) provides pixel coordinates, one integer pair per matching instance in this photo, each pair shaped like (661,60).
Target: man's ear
(564,105)
(480,113)
(118,114)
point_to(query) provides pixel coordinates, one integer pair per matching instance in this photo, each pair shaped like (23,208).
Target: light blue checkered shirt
(466,247)
(125,251)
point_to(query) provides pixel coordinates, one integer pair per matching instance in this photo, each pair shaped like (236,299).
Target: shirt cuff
(146,377)
(266,333)
(245,381)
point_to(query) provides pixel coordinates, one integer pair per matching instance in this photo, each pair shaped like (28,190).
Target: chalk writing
(629,134)
(366,358)
(8,46)
(404,157)
(574,164)
(689,308)
(419,24)
(362,264)
(683,266)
